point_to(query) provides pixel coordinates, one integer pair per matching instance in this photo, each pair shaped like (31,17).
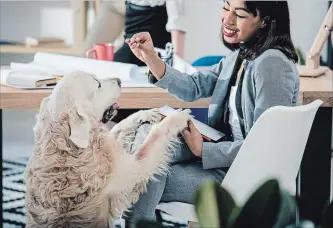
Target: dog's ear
(42,112)
(80,129)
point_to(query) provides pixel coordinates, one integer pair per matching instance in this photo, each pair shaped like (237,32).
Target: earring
(265,22)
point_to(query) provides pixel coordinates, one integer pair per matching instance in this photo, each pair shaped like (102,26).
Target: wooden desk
(12,98)
(310,90)
(317,88)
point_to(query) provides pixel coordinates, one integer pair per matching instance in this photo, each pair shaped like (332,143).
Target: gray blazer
(269,80)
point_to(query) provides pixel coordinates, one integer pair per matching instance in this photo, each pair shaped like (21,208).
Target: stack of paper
(27,79)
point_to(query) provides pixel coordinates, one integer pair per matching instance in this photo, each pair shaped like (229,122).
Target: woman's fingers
(132,42)
(137,44)
(136,37)
(141,45)
(131,45)
(141,38)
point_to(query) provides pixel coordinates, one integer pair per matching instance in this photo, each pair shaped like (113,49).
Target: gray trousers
(186,174)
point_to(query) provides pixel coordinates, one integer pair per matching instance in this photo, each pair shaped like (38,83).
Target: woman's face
(238,24)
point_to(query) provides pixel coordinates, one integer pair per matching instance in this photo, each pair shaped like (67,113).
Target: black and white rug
(13,191)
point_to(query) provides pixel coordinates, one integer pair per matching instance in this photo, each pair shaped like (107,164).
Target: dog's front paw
(152,116)
(177,122)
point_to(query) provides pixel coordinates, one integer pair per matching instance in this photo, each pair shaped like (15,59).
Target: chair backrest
(273,148)
(208,60)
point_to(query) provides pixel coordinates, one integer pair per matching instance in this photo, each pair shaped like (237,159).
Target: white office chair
(273,149)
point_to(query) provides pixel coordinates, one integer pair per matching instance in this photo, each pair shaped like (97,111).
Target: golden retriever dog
(81,175)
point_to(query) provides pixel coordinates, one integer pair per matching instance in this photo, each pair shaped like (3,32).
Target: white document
(46,65)
(183,66)
(32,69)
(35,67)
(179,63)
(204,129)
(102,69)
(22,80)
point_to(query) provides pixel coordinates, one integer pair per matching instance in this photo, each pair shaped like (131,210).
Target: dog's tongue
(115,105)
(110,113)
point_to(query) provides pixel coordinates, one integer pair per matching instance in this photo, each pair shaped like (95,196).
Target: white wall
(46,18)
(19,19)
(204,25)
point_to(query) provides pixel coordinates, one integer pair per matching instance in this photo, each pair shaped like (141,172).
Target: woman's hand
(193,139)
(142,46)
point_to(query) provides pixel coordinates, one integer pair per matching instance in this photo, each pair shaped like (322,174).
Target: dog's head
(85,100)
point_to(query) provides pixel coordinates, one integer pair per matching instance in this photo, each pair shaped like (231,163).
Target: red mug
(102,51)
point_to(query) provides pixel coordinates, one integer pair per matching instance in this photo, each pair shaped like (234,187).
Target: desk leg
(316,167)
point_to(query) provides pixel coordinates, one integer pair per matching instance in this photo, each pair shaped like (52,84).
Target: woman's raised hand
(142,46)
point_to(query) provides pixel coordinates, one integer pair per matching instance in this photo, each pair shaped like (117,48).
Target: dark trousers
(142,19)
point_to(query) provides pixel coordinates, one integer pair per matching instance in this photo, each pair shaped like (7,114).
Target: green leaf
(233,216)
(226,205)
(287,211)
(213,205)
(261,209)
(301,60)
(206,205)
(328,217)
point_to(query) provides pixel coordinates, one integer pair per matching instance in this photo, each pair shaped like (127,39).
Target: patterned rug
(13,190)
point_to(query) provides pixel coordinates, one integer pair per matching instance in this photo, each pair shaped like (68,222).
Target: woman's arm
(275,84)
(176,25)
(178,41)
(184,86)
(108,25)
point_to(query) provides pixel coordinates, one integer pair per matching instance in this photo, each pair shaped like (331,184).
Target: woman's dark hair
(275,35)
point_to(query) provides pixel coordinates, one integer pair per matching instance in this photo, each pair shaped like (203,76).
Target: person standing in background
(163,19)
(108,25)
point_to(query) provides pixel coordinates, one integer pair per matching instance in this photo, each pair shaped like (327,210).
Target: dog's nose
(118,81)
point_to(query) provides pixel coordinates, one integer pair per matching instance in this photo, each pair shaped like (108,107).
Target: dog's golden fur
(80,174)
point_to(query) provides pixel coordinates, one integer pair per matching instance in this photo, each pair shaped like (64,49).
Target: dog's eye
(99,83)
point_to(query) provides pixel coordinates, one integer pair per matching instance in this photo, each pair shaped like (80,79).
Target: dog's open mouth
(110,113)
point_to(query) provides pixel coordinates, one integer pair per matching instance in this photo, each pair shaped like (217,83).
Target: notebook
(28,80)
(207,132)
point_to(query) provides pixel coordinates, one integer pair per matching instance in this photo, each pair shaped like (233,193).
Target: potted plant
(269,206)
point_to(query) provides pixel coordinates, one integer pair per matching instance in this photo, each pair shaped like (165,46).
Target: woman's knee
(185,179)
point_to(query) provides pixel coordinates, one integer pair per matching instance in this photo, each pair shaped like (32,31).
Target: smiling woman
(258,24)
(259,73)
(241,31)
